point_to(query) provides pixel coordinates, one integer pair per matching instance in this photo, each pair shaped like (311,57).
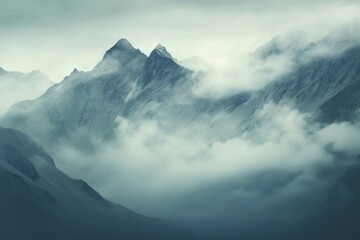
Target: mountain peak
(159,57)
(161,50)
(160,47)
(123,44)
(120,55)
(75,71)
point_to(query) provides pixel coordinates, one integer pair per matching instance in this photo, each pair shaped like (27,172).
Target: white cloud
(280,56)
(16,86)
(158,172)
(342,137)
(161,172)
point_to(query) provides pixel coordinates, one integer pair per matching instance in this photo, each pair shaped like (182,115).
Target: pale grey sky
(57,36)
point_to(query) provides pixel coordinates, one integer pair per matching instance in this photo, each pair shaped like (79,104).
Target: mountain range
(86,107)
(127,83)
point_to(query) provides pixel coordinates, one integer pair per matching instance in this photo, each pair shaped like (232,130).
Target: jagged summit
(123,44)
(121,56)
(159,59)
(75,71)
(161,50)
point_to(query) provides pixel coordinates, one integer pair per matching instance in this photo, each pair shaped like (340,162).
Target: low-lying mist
(280,168)
(188,174)
(17,86)
(285,160)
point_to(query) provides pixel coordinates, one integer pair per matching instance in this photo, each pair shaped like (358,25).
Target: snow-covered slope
(37,201)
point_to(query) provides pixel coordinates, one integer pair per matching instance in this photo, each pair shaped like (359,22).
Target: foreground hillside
(37,201)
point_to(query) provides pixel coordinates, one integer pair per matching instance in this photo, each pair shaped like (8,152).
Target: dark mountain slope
(37,201)
(314,82)
(344,106)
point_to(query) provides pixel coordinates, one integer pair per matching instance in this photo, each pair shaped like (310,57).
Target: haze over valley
(257,138)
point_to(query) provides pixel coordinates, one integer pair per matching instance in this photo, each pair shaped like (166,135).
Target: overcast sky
(56,36)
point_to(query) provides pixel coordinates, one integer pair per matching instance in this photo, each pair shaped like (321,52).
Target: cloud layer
(186,174)
(17,86)
(283,163)
(282,55)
